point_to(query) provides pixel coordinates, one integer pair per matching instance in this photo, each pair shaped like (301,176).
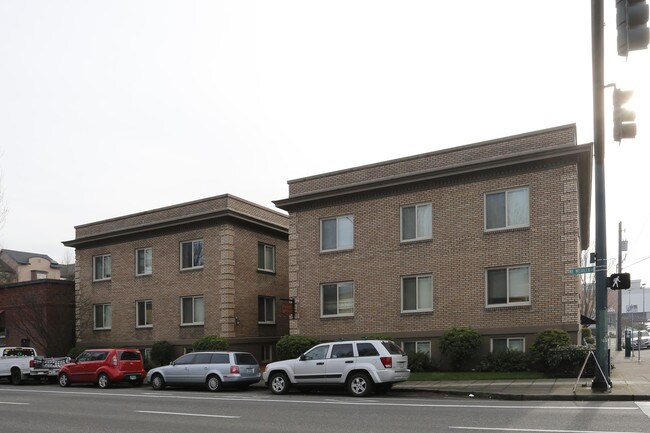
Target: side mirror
(172,363)
(303,357)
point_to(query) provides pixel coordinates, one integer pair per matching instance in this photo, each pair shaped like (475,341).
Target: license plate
(132,377)
(249,370)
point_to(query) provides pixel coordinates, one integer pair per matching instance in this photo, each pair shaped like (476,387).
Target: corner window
(266,310)
(266,257)
(411,347)
(337,299)
(102,267)
(506,344)
(192,254)
(416,222)
(417,293)
(508,286)
(337,233)
(102,316)
(144,261)
(192,310)
(506,209)
(143,312)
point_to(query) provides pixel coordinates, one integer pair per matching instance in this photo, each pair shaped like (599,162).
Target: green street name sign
(585,270)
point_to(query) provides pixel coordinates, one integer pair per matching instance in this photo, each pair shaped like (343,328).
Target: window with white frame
(102,267)
(337,233)
(417,293)
(266,310)
(337,299)
(507,344)
(192,254)
(144,314)
(507,209)
(508,286)
(192,310)
(144,261)
(417,347)
(416,222)
(266,257)
(102,316)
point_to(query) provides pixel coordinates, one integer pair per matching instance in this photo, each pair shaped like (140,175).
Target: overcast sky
(113,107)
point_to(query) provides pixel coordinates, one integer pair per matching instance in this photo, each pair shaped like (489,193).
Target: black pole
(601,381)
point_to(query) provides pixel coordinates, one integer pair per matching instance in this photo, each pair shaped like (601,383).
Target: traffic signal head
(631,25)
(619,281)
(624,126)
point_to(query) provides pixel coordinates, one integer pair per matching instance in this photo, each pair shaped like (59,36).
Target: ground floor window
(267,353)
(505,344)
(417,347)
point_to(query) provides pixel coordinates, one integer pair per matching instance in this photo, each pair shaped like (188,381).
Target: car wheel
(359,384)
(103,381)
(214,383)
(64,380)
(16,376)
(279,383)
(157,382)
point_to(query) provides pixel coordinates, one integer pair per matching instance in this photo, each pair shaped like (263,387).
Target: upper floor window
(337,299)
(39,275)
(102,316)
(416,222)
(266,310)
(144,261)
(266,257)
(337,233)
(417,293)
(508,286)
(102,267)
(507,344)
(144,314)
(192,310)
(506,209)
(192,254)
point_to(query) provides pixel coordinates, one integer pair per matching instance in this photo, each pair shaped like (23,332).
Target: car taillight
(387,361)
(114,360)
(31,363)
(234,369)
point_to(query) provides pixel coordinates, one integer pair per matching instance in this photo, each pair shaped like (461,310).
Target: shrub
(210,342)
(506,361)
(566,361)
(162,352)
(382,337)
(420,362)
(546,341)
(588,336)
(461,345)
(75,351)
(292,346)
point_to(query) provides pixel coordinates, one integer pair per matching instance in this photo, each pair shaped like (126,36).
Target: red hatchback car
(103,367)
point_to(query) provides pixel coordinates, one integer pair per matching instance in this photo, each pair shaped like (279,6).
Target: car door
(177,373)
(78,369)
(197,371)
(310,367)
(340,361)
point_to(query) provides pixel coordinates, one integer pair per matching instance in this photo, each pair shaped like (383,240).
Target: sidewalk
(630,382)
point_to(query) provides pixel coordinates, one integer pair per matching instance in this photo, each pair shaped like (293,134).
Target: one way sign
(618,281)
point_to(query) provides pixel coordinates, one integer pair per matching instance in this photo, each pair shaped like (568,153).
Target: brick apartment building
(480,235)
(216,266)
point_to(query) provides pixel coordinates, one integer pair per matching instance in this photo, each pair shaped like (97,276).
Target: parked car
(104,367)
(645,339)
(360,366)
(20,363)
(213,370)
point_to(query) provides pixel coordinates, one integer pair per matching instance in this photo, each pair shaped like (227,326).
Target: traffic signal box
(631,26)
(619,281)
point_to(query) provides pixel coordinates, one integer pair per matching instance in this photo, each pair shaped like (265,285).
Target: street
(38,408)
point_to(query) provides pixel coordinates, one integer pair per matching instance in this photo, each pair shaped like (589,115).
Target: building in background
(18,266)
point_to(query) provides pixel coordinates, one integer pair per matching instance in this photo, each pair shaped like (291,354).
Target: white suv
(362,366)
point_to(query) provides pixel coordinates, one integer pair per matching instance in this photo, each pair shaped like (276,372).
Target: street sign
(585,270)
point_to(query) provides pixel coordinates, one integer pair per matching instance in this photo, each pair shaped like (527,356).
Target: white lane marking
(187,414)
(534,430)
(14,403)
(645,407)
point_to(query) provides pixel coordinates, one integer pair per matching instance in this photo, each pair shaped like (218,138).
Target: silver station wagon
(214,370)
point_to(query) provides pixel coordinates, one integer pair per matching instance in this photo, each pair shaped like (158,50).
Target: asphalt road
(49,408)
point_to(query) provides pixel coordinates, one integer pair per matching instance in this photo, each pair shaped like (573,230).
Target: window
(417,293)
(337,299)
(265,258)
(507,344)
(416,222)
(102,319)
(508,286)
(185,359)
(506,209)
(192,310)
(342,351)
(202,358)
(192,254)
(220,358)
(102,267)
(367,349)
(318,352)
(417,347)
(266,310)
(143,312)
(337,233)
(267,353)
(144,261)
(39,275)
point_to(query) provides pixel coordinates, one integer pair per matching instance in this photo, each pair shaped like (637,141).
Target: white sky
(113,107)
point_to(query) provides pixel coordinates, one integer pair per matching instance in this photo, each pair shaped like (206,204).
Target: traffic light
(619,281)
(624,126)
(631,20)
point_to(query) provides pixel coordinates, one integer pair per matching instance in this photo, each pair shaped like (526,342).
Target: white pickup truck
(20,363)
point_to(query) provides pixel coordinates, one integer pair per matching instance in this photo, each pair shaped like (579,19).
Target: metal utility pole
(601,381)
(619,269)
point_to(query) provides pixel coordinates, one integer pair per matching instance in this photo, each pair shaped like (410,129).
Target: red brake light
(31,363)
(234,369)
(387,361)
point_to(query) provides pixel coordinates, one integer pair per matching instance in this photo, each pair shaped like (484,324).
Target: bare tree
(587,291)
